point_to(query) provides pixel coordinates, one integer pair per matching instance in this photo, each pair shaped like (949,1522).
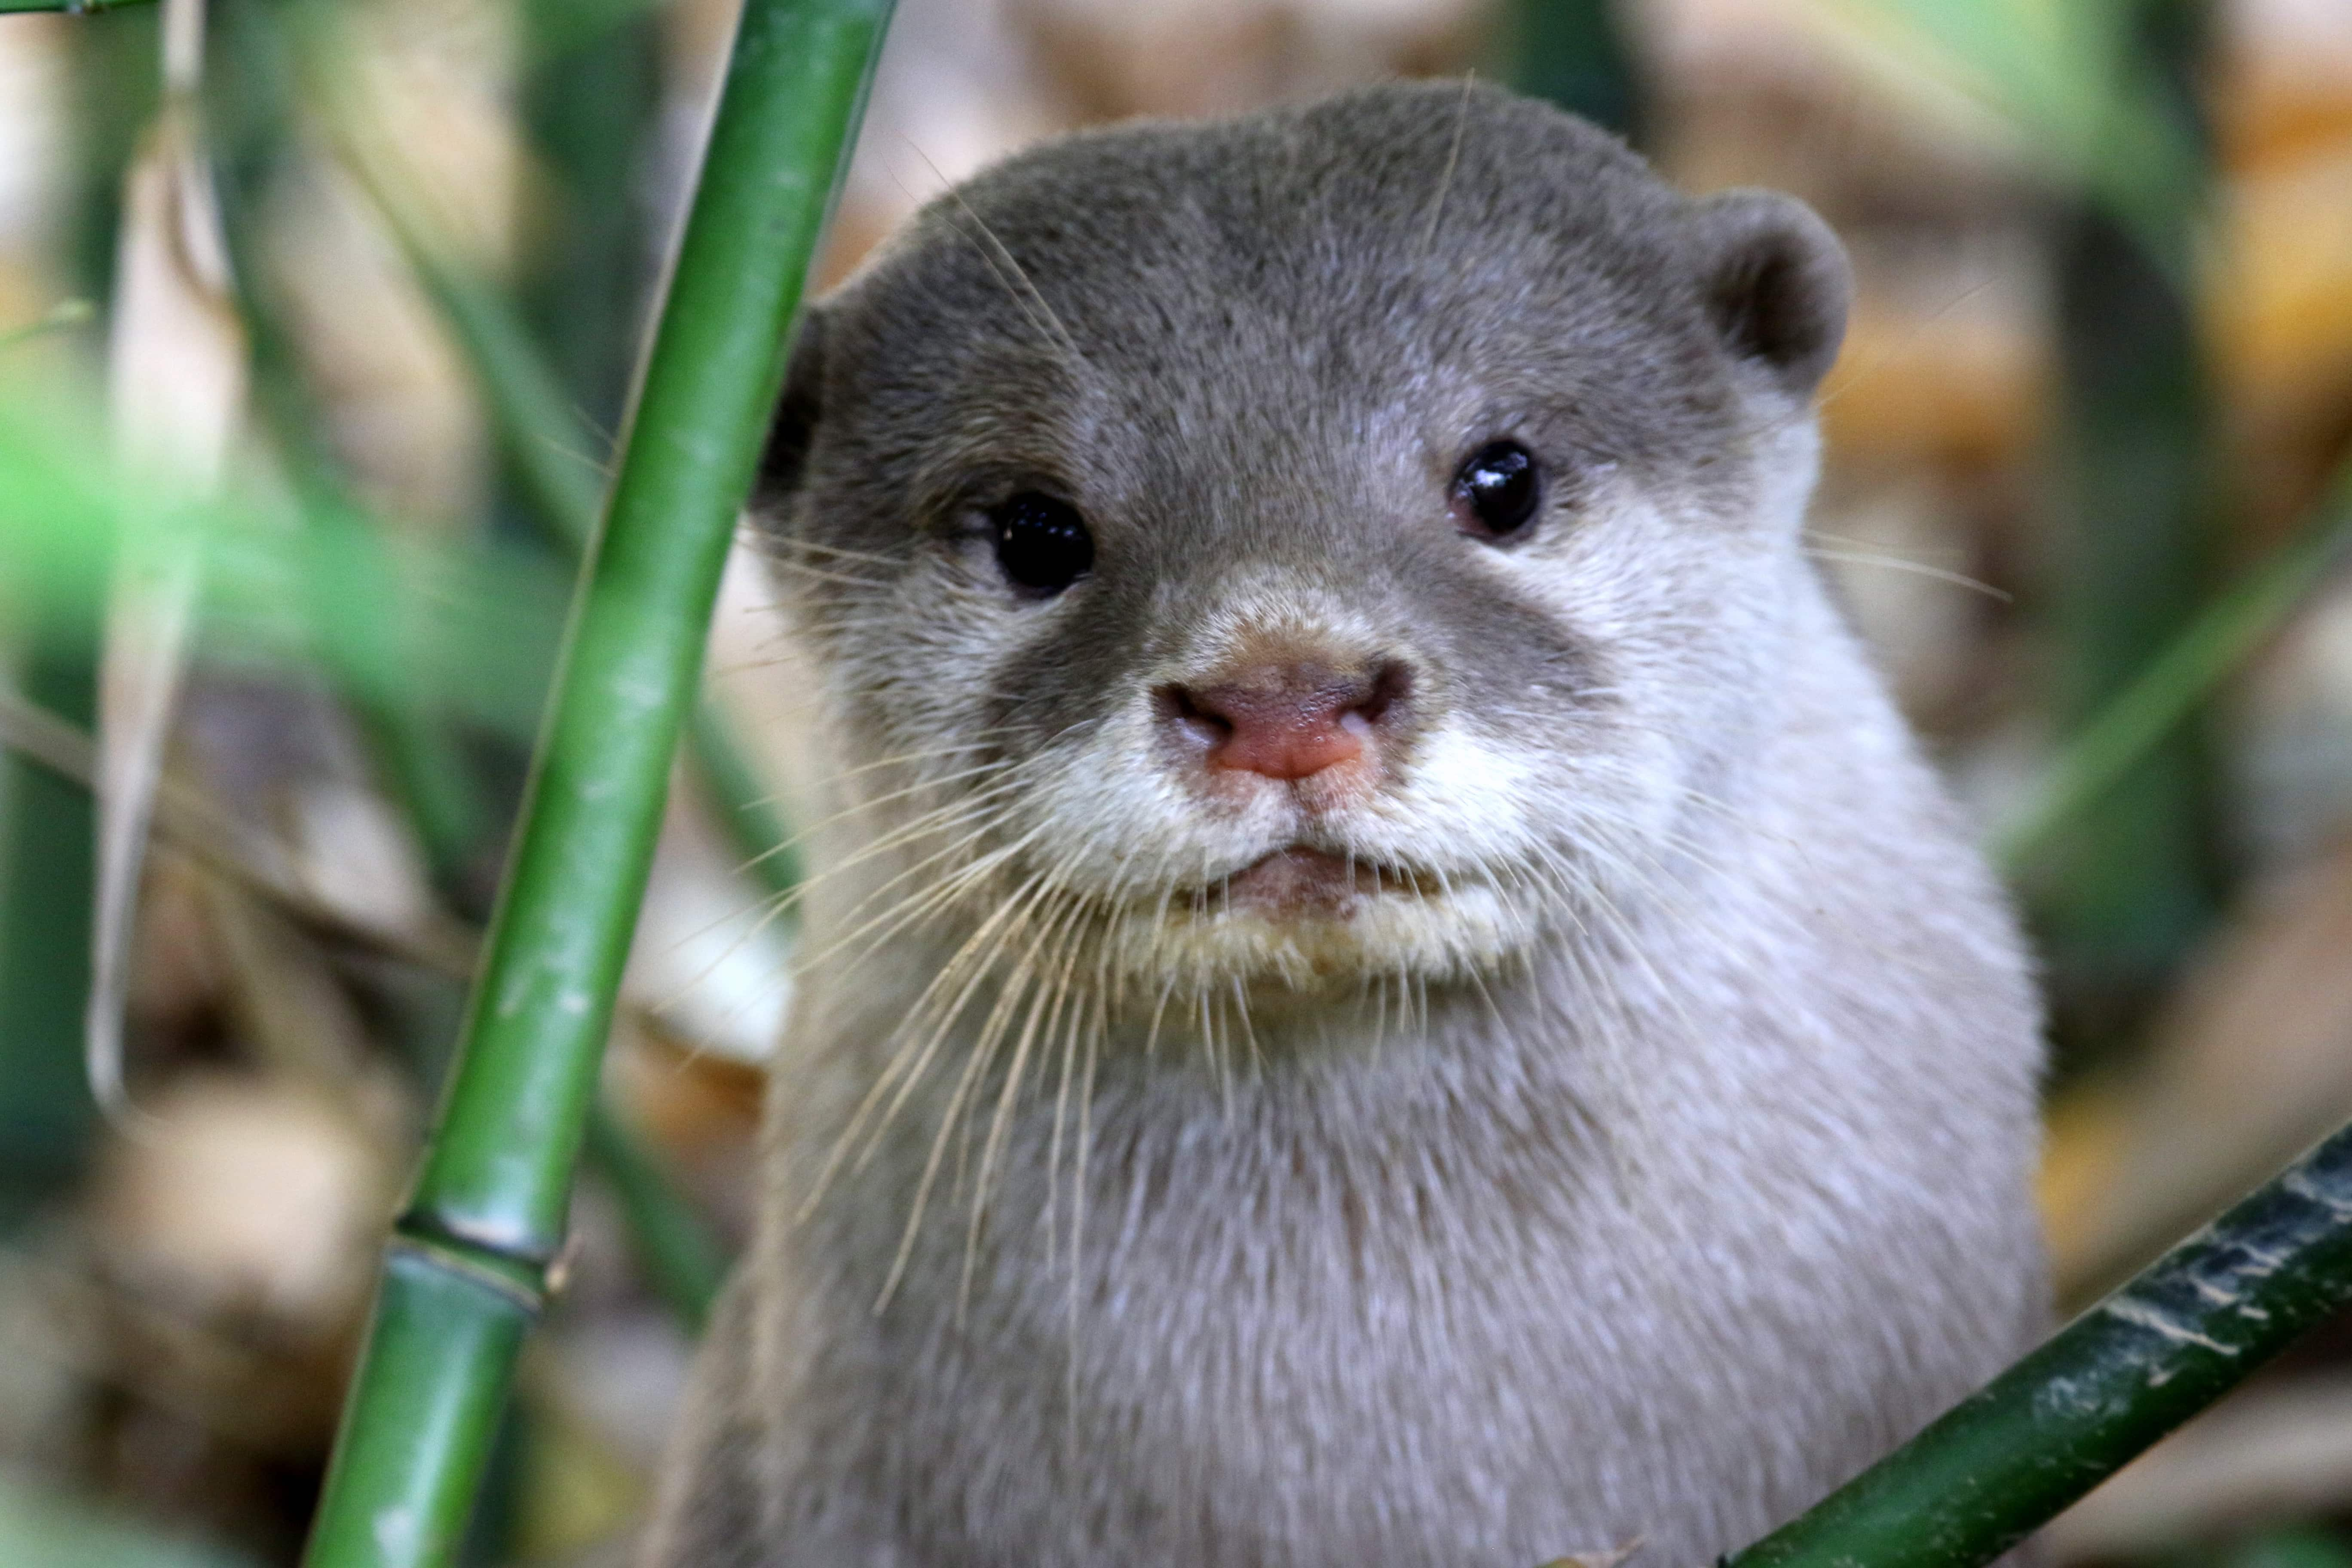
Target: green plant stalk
(2184,674)
(548,444)
(591,107)
(489,1208)
(419,762)
(424,1411)
(2185,1332)
(2134,884)
(676,1251)
(1575,53)
(48,867)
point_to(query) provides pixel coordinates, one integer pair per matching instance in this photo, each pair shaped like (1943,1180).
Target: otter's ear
(797,407)
(1776,281)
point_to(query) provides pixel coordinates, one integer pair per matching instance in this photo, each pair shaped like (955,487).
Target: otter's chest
(1279,1356)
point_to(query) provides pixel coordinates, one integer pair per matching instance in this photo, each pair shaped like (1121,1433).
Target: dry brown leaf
(245,1194)
(176,369)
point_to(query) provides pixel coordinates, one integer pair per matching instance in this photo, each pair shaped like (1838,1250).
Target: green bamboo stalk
(424,1408)
(676,1251)
(468,1264)
(2193,1326)
(2164,693)
(419,762)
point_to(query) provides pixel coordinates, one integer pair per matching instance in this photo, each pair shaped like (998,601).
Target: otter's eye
(1496,490)
(1042,543)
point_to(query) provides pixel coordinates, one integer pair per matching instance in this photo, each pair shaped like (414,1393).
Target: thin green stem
(2164,693)
(676,1251)
(490,1202)
(47,863)
(744,802)
(2136,882)
(551,450)
(64,315)
(2009,1458)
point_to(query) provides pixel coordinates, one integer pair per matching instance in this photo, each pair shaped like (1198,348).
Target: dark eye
(1496,492)
(1042,543)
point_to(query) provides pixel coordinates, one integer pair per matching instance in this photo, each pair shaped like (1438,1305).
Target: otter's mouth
(1303,920)
(1304,881)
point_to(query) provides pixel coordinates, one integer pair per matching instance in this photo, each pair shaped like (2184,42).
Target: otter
(1382,982)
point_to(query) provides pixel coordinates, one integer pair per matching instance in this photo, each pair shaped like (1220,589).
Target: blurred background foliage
(2085,493)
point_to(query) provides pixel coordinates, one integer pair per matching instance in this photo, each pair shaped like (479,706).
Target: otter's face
(1318,548)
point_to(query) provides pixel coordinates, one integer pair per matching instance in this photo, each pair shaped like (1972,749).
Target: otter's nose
(1288,721)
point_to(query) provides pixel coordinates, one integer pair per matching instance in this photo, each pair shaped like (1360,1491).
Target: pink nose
(1288,721)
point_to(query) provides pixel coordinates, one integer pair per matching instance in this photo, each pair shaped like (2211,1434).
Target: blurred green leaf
(2205,653)
(65,314)
(561,27)
(2072,78)
(41,1528)
(2305,1546)
(468,629)
(1576,54)
(545,440)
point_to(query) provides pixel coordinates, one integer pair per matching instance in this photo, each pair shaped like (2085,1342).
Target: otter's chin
(1307,922)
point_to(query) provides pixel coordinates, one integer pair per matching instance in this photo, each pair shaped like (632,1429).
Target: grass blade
(680,1257)
(2212,647)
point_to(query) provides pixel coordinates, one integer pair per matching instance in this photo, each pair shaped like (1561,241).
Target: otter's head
(1336,544)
